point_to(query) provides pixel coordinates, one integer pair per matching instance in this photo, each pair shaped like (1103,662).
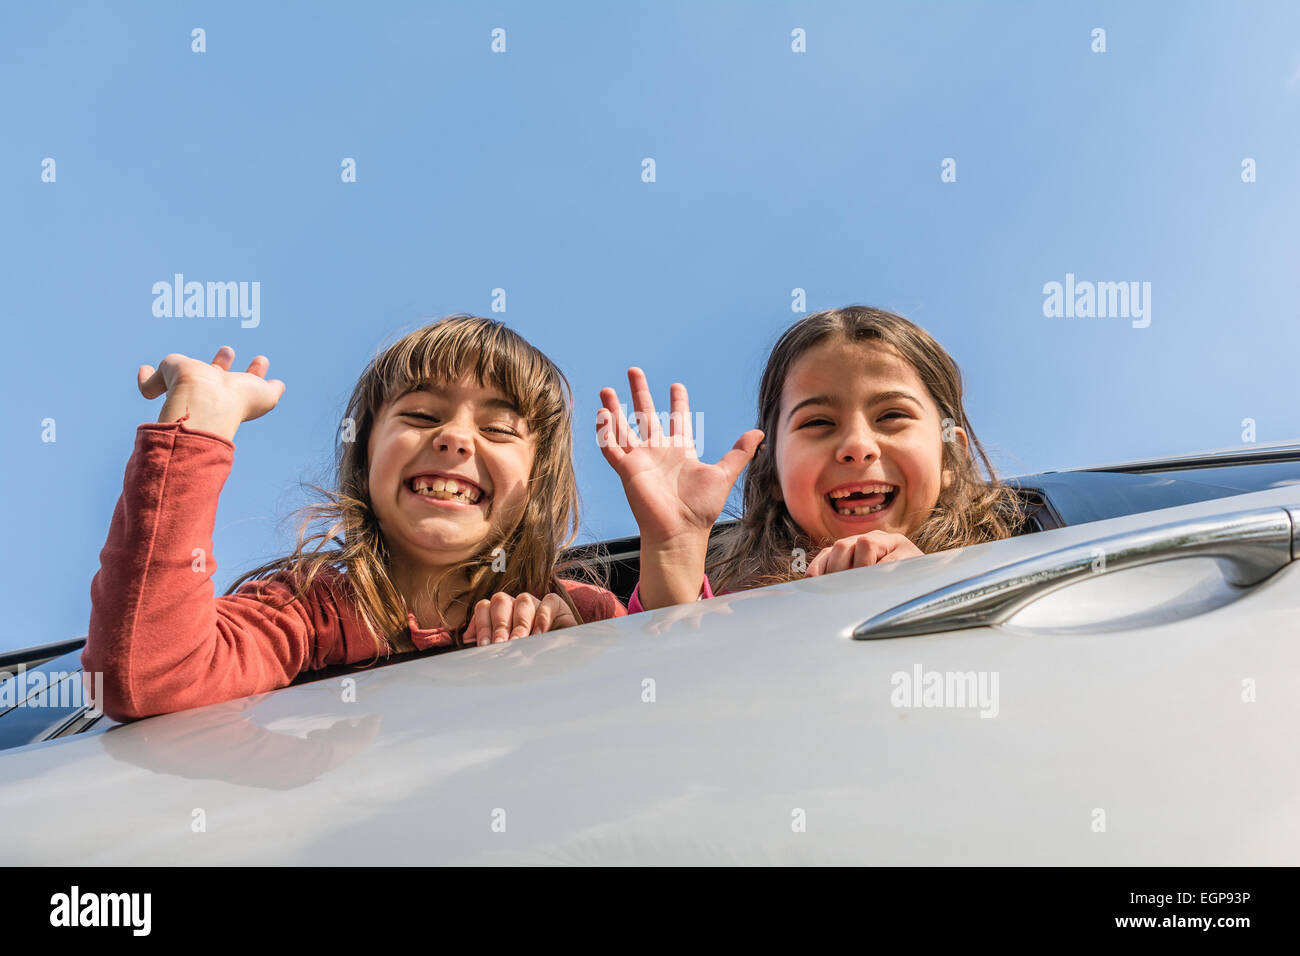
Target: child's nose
(858,445)
(454,437)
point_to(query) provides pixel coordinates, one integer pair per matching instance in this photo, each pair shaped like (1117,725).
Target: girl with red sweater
(454,498)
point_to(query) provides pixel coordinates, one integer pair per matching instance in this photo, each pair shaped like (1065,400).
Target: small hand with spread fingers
(207,395)
(671,492)
(674,496)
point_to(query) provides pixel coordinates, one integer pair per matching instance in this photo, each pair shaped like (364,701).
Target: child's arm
(156,632)
(674,496)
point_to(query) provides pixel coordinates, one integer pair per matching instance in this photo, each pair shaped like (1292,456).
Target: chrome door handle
(1252,544)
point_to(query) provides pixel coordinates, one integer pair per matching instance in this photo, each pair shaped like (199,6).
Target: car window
(1082,496)
(46,701)
(1243,478)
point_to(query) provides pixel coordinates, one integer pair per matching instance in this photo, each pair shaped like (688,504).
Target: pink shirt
(634,602)
(162,638)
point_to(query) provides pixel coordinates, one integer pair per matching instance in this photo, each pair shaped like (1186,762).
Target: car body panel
(763,707)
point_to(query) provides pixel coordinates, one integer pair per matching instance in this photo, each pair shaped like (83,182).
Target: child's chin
(451,546)
(452,533)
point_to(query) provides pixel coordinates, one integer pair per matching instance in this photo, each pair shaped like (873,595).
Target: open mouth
(454,490)
(862,500)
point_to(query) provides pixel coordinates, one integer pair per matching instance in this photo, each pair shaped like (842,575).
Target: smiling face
(427,439)
(859,443)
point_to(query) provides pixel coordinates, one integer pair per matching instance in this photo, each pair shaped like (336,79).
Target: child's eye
(815,421)
(430,418)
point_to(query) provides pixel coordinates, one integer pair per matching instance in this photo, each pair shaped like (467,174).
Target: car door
(756,727)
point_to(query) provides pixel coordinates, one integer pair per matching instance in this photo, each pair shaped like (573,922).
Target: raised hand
(671,492)
(207,395)
(674,496)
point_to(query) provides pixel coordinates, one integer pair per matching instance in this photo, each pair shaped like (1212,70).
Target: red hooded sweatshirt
(162,638)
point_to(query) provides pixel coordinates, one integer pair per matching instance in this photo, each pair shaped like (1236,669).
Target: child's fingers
(561,615)
(840,556)
(612,432)
(679,416)
(835,560)
(478,623)
(499,614)
(522,621)
(259,365)
(897,547)
(266,395)
(644,405)
(225,355)
(741,453)
(555,614)
(606,435)
(469,636)
(150,381)
(866,551)
(542,622)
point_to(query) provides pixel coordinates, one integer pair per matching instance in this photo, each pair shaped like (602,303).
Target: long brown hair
(440,353)
(759,549)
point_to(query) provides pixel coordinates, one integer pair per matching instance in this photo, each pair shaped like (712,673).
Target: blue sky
(522,170)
